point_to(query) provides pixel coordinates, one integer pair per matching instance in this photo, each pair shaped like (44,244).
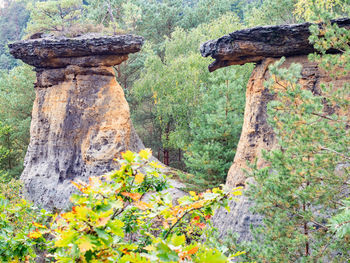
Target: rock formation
(258,43)
(80,119)
(263,46)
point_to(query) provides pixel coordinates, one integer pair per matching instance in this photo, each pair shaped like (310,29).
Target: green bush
(18,238)
(123,216)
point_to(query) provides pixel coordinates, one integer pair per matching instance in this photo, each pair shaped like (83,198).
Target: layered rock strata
(80,119)
(255,44)
(256,133)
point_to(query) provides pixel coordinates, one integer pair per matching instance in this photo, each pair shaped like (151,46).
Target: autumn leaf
(192,251)
(133,196)
(165,225)
(80,211)
(126,251)
(143,205)
(198,204)
(102,221)
(139,178)
(201,225)
(80,186)
(196,218)
(192,193)
(69,216)
(84,244)
(34,235)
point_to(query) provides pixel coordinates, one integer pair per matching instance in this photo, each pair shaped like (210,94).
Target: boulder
(80,119)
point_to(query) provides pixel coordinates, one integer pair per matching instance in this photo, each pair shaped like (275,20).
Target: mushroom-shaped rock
(264,45)
(80,119)
(255,44)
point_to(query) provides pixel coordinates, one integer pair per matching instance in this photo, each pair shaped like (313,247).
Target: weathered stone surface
(87,50)
(80,119)
(255,44)
(78,126)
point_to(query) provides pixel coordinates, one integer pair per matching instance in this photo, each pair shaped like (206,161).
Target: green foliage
(270,12)
(124,216)
(216,126)
(54,15)
(340,223)
(300,189)
(19,238)
(332,37)
(16,100)
(173,90)
(13,19)
(308,9)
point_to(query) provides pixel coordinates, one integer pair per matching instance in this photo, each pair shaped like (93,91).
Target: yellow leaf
(145,154)
(102,221)
(139,178)
(39,225)
(155,165)
(150,248)
(192,193)
(84,244)
(34,235)
(80,211)
(80,186)
(143,205)
(128,156)
(198,204)
(69,216)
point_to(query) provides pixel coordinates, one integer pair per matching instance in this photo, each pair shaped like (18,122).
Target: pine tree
(216,127)
(300,190)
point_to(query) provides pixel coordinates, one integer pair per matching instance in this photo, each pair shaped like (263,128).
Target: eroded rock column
(80,119)
(263,46)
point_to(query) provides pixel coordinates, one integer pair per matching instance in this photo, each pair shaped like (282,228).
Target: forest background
(192,119)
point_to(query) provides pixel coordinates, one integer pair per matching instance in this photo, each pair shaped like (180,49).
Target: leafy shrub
(124,216)
(19,240)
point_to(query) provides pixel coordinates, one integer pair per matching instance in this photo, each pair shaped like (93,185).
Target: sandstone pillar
(263,46)
(80,119)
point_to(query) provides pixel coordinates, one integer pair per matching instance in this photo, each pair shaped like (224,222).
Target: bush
(123,216)
(18,238)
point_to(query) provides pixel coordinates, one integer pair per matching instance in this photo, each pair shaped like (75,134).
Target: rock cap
(86,50)
(255,44)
